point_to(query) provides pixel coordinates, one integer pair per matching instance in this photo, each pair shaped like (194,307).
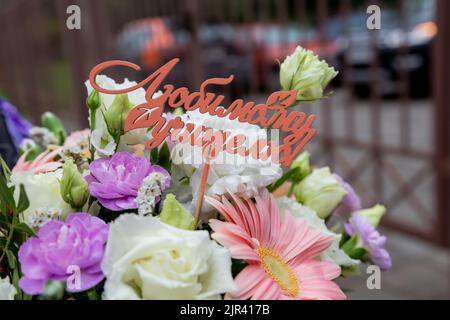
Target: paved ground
(420,271)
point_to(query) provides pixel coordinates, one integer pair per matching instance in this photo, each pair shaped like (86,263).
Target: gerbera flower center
(275,266)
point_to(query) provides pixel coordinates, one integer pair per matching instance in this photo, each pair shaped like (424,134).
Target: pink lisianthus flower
(116,181)
(79,242)
(281,252)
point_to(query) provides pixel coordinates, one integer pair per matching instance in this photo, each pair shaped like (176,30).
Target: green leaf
(26,229)
(6,193)
(285,177)
(357,253)
(154,155)
(93,294)
(24,202)
(175,214)
(3,218)
(5,169)
(164,157)
(350,245)
(237,266)
(33,153)
(15,282)
(26,296)
(11,258)
(344,239)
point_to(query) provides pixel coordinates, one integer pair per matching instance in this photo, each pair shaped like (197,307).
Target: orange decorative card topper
(272,114)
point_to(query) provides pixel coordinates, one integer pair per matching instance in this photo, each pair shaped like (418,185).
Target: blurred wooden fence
(43,65)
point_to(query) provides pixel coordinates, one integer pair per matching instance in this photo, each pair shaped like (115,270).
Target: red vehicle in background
(269,44)
(248,50)
(146,41)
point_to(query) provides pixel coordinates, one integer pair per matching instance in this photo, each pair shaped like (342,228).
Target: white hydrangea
(148,193)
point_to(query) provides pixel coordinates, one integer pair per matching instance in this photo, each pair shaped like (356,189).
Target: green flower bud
(53,290)
(320,191)
(302,163)
(74,189)
(178,112)
(54,124)
(117,114)
(93,101)
(175,214)
(304,72)
(374,214)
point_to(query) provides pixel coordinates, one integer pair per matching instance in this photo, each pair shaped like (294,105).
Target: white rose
(7,290)
(228,172)
(43,191)
(148,259)
(333,253)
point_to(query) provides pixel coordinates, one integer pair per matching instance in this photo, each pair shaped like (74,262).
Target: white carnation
(228,172)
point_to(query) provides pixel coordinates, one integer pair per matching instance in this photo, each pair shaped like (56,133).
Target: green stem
(10,234)
(91,147)
(117,141)
(291,190)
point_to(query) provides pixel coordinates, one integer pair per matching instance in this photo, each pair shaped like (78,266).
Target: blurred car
(245,50)
(410,51)
(270,43)
(401,48)
(146,40)
(153,41)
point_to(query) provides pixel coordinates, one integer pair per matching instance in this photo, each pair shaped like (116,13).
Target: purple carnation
(60,247)
(351,202)
(372,240)
(17,126)
(115,181)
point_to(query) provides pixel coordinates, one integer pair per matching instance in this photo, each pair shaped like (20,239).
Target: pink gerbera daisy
(43,163)
(280,251)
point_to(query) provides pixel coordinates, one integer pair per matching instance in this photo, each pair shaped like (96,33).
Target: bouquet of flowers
(96,215)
